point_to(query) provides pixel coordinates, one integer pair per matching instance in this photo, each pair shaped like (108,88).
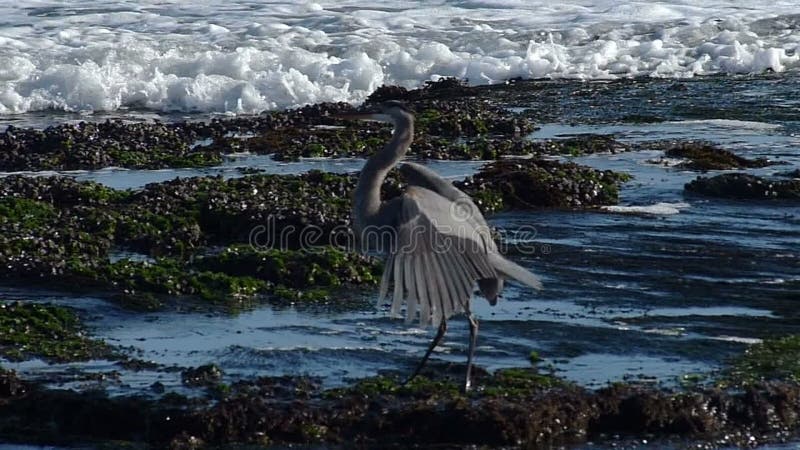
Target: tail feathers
(514,271)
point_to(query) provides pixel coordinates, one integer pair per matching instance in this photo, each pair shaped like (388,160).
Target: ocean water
(247,56)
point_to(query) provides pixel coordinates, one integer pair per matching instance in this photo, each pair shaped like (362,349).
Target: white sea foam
(731,124)
(248,56)
(658,209)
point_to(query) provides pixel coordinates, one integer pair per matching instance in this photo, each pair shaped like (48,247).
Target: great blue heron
(437,242)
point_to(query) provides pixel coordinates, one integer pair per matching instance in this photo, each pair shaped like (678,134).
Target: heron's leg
(434,343)
(473,339)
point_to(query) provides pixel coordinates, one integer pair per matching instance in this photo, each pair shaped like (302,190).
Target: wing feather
(432,287)
(411,288)
(438,257)
(458,292)
(463,281)
(397,297)
(422,286)
(385,278)
(439,305)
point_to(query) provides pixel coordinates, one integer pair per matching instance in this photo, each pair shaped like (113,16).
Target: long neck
(368,190)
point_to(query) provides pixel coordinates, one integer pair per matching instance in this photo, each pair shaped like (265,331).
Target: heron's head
(391,111)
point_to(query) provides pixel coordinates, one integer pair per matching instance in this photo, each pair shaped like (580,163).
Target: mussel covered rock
(53,333)
(535,183)
(745,186)
(704,156)
(380,412)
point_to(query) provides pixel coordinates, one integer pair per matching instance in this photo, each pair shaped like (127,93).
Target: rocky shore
(209,241)
(754,401)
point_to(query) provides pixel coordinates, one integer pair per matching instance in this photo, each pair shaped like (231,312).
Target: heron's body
(439,244)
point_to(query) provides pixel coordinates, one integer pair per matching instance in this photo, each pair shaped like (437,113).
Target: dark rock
(705,156)
(745,186)
(790,174)
(10,385)
(53,333)
(536,183)
(202,375)
(431,412)
(96,145)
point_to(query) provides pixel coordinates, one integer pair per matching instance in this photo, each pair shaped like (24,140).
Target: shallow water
(670,284)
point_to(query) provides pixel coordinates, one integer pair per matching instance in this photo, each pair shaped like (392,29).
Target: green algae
(704,156)
(774,359)
(322,267)
(504,383)
(68,242)
(25,212)
(237,274)
(295,275)
(61,231)
(156,234)
(170,277)
(46,331)
(536,183)
(420,387)
(520,382)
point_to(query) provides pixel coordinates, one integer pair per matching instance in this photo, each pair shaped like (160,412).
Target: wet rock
(249,170)
(10,384)
(450,129)
(62,231)
(430,412)
(790,174)
(387,92)
(775,359)
(293,144)
(136,365)
(454,121)
(155,145)
(535,183)
(705,156)
(491,148)
(45,331)
(294,269)
(171,278)
(443,87)
(745,186)
(465,118)
(60,191)
(585,144)
(96,145)
(205,375)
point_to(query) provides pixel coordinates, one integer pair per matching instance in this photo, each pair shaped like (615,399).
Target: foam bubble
(658,209)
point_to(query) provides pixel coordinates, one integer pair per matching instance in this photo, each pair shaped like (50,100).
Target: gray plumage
(440,245)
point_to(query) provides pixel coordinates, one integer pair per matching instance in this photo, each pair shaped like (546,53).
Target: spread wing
(419,175)
(438,256)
